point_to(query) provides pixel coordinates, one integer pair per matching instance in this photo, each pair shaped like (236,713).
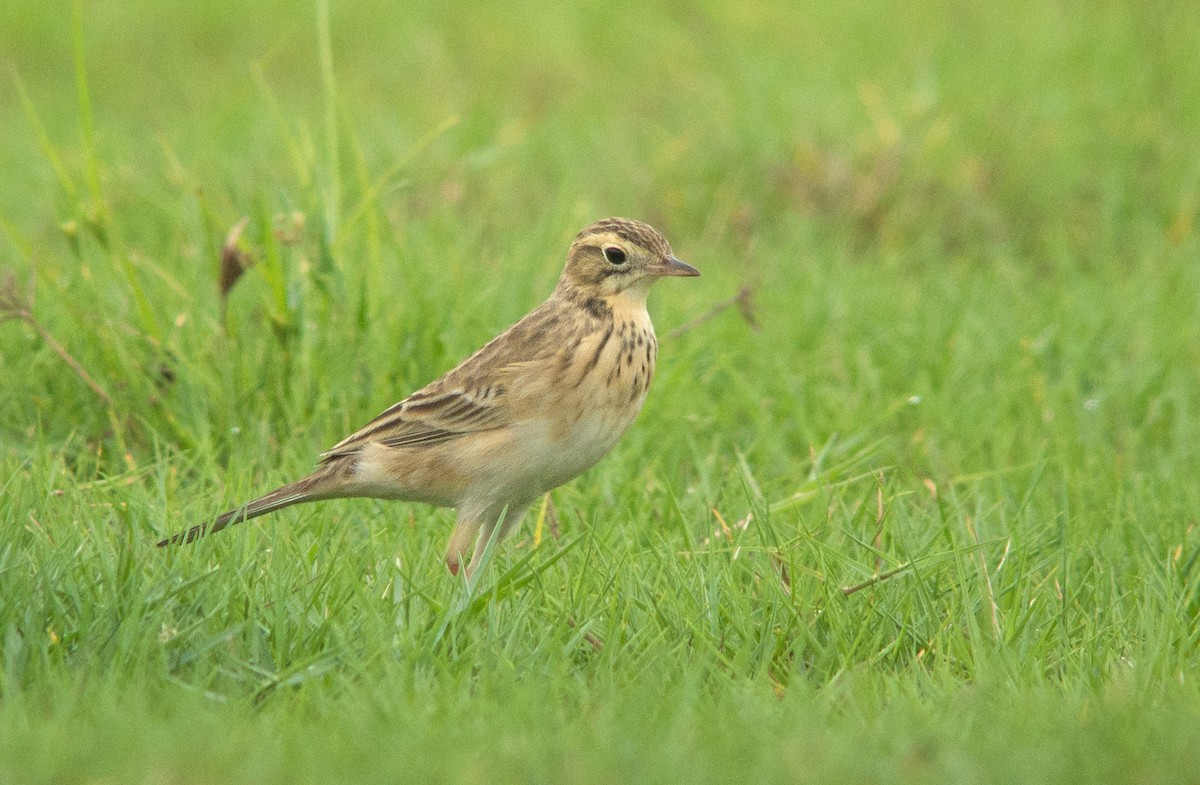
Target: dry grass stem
(874,579)
(744,300)
(15,304)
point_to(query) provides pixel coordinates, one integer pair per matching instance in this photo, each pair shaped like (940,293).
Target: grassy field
(923,507)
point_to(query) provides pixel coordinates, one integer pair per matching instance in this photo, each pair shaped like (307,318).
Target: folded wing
(427,418)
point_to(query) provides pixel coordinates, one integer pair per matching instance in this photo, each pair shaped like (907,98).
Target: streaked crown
(640,234)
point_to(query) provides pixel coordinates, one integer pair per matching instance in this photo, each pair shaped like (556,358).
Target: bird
(532,409)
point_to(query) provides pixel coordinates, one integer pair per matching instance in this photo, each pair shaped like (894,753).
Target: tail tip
(191,535)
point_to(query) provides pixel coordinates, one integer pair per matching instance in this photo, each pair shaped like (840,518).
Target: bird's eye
(614,255)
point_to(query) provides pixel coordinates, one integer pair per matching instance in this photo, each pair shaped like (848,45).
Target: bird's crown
(640,234)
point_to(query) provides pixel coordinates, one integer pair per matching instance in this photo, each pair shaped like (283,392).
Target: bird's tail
(292,493)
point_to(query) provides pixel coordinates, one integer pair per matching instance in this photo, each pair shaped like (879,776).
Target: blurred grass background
(970,363)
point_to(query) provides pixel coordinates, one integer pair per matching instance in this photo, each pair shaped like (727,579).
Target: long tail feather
(292,493)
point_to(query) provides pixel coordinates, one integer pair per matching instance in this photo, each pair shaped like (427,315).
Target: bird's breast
(600,392)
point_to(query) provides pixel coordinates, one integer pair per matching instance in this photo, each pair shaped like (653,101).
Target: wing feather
(424,420)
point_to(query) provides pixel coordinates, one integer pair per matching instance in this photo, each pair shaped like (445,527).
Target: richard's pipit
(541,403)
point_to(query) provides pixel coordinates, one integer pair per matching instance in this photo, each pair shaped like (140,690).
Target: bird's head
(620,255)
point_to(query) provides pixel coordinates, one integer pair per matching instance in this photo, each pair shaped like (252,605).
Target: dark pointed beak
(673,266)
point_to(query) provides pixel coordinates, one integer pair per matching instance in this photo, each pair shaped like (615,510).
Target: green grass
(973,365)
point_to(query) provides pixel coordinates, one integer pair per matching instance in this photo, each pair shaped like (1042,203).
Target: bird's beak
(673,266)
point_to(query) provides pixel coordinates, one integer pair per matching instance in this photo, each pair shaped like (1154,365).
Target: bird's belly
(586,441)
(582,434)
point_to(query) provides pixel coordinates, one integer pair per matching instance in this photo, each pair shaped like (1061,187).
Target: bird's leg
(505,520)
(511,519)
(466,531)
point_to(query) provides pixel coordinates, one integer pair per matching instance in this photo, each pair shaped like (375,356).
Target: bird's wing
(428,417)
(477,394)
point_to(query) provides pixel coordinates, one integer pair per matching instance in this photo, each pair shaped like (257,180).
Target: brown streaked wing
(425,419)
